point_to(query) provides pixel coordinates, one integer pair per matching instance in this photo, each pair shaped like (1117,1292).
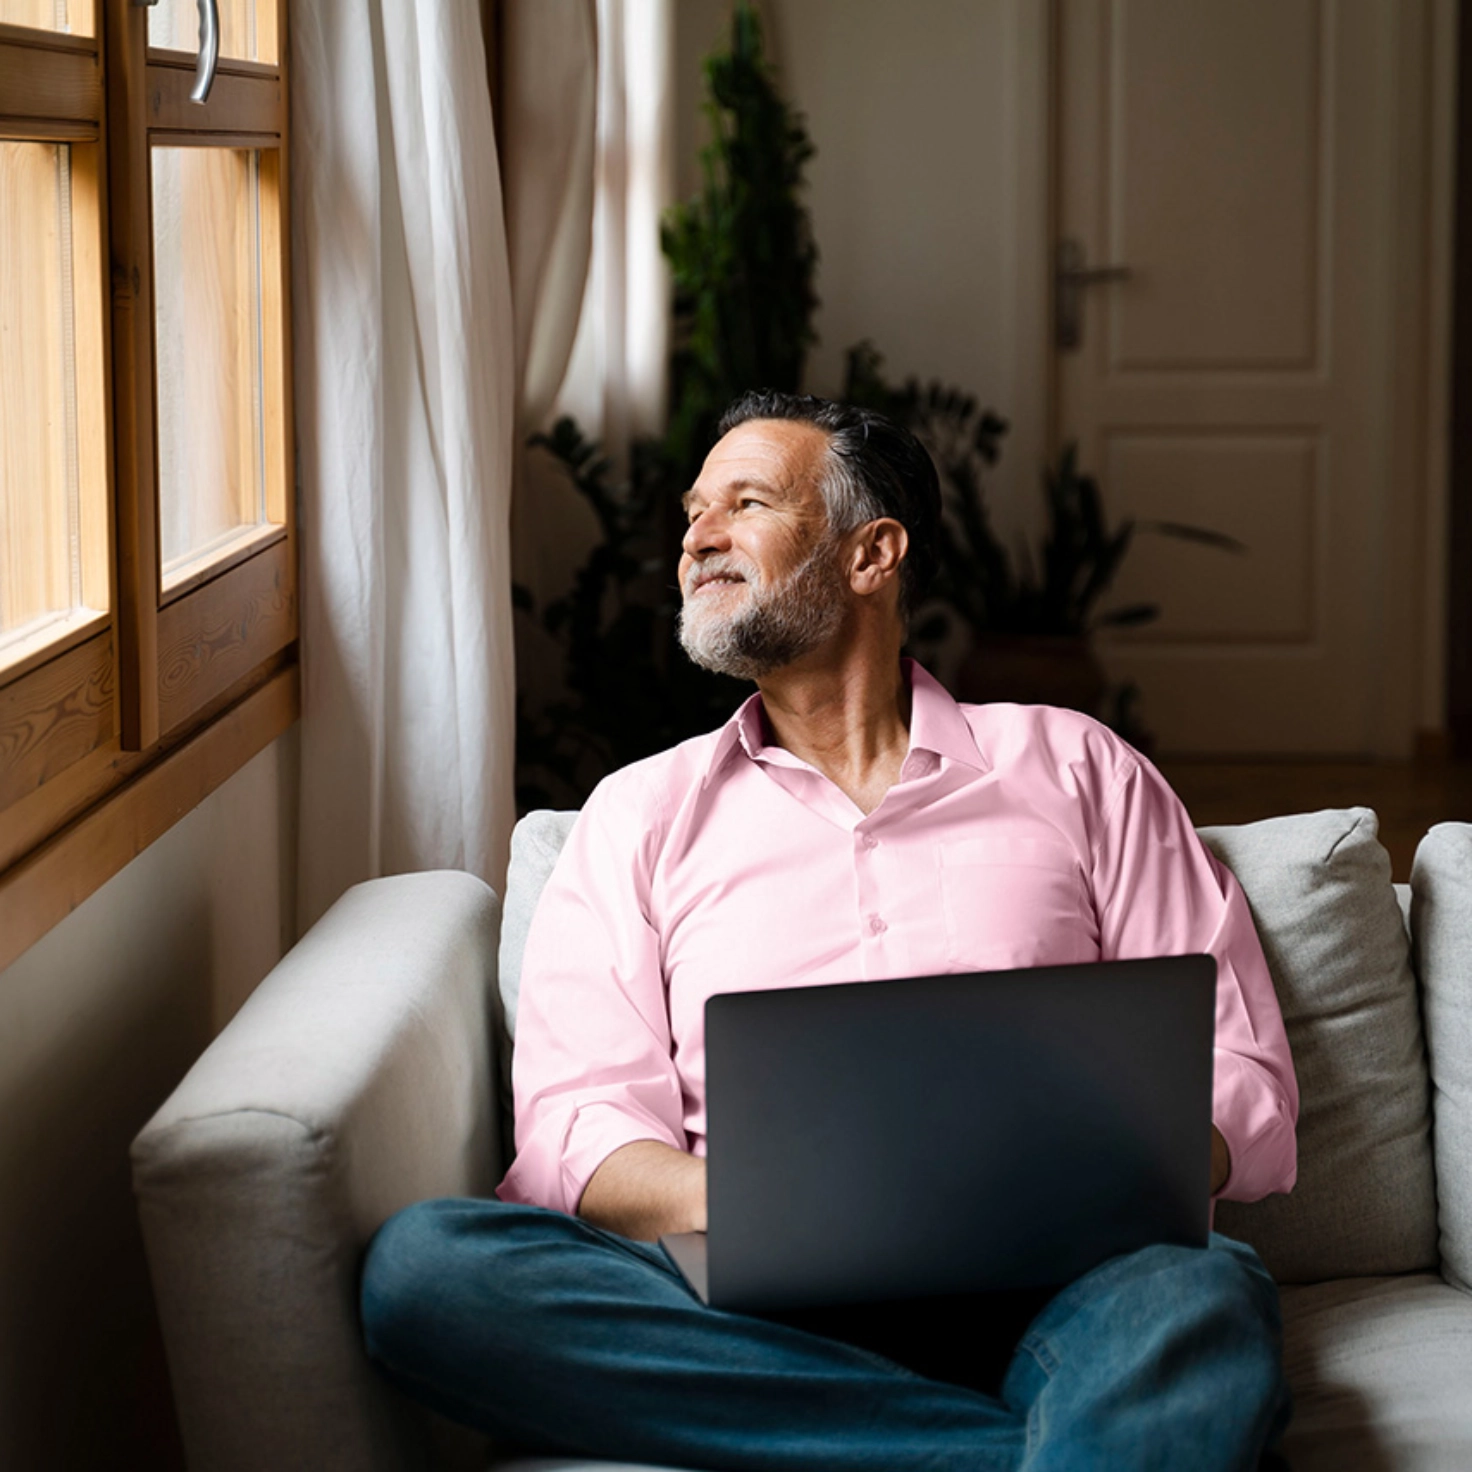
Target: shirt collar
(937,724)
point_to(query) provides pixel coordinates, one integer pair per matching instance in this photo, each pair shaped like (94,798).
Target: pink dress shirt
(1015,836)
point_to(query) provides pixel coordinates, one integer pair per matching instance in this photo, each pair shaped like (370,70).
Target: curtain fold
(549,74)
(588,110)
(548,110)
(617,379)
(405,366)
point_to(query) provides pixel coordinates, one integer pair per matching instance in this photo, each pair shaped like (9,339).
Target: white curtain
(549,95)
(617,380)
(550,59)
(586,211)
(405,425)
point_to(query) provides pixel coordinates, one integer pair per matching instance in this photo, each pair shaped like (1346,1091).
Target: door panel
(1236,155)
(1212,122)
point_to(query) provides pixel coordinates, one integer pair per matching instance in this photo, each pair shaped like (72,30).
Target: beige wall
(926,185)
(909,184)
(98,1021)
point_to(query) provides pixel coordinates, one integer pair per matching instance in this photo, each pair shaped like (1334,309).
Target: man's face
(760,573)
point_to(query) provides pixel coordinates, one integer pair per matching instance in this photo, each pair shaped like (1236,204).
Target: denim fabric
(558,1337)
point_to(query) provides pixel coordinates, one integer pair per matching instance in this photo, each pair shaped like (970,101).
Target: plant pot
(1033,669)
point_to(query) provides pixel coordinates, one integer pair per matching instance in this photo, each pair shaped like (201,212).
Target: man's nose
(709,532)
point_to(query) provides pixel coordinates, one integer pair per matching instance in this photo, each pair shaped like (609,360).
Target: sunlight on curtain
(616,383)
(405,373)
(549,97)
(606,364)
(549,94)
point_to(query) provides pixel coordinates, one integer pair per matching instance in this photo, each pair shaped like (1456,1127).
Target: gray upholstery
(1441,913)
(354,1081)
(1319,887)
(1381,1370)
(535,844)
(358,1079)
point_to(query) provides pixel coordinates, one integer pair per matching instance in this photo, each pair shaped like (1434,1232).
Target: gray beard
(779,623)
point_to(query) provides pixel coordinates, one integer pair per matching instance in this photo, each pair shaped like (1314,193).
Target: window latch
(209,49)
(209,45)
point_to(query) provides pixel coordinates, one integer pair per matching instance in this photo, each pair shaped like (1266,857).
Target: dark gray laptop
(890,1140)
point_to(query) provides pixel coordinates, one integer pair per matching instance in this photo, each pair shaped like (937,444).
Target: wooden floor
(1408,796)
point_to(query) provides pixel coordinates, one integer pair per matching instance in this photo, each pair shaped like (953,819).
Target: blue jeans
(561,1338)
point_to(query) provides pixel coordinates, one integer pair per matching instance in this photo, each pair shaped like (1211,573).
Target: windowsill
(220,556)
(44,639)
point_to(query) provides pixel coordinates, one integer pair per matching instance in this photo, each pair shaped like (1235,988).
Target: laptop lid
(953,1134)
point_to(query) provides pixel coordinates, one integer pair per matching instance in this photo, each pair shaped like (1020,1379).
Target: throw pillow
(1331,928)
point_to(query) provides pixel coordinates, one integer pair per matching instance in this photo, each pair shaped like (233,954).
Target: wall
(926,190)
(98,1021)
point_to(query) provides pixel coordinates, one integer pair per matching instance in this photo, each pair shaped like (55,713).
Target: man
(850,822)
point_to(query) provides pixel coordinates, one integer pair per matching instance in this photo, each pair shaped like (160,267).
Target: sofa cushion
(1379,1370)
(535,844)
(1331,928)
(1441,921)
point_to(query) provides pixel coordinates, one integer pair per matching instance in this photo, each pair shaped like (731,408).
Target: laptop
(892,1140)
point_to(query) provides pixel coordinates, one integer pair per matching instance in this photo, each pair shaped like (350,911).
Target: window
(147,539)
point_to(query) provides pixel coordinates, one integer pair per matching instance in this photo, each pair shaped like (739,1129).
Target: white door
(1238,157)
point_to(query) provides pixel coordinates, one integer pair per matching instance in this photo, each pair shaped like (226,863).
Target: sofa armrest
(355,1080)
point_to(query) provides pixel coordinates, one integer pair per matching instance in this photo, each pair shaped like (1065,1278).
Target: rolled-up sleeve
(593,1067)
(1159,891)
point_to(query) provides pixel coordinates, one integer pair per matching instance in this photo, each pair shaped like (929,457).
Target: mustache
(721,564)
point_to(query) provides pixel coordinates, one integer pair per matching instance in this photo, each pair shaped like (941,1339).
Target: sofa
(368,1071)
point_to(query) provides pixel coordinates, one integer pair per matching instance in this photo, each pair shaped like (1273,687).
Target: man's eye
(746,501)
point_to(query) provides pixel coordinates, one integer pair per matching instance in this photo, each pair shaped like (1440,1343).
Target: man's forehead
(776,455)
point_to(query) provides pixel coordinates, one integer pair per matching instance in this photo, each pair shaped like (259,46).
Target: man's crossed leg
(555,1335)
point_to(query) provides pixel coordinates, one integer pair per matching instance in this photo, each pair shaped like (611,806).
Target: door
(1237,160)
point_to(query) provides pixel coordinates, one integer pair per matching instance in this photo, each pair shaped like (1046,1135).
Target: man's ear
(877,554)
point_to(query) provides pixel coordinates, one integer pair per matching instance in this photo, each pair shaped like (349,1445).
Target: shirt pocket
(1013,902)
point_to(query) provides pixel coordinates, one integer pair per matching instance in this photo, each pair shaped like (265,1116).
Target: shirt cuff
(555,1173)
(1255,1120)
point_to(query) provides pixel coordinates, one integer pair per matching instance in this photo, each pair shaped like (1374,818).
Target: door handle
(1070,276)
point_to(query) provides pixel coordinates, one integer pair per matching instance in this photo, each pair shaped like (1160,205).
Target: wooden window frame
(112,733)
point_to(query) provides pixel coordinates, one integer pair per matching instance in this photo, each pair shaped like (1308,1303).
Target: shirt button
(876,925)
(869,841)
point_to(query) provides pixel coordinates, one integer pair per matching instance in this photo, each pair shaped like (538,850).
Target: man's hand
(1221,1161)
(644,1190)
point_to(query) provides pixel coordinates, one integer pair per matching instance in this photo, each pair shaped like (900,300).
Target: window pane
(71,16)
(208,327)
(40,534)
(247,27)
